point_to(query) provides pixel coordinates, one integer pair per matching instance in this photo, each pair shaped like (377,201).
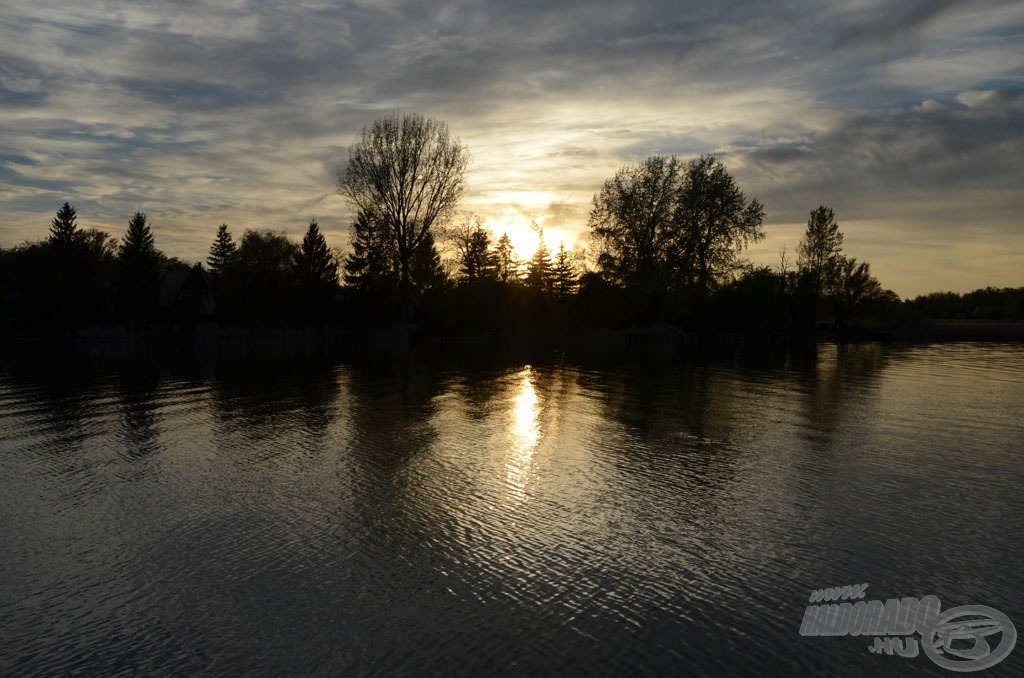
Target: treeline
(77,277)
(990,303)
(666,239)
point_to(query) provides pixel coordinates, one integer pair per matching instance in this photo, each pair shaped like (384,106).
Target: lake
(246,515)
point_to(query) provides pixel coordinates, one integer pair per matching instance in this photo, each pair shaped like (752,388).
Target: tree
(266,252)
(263,291)
(563,273)
(754,302)
(855,287)
(370,266)
(505,260)
(315,265)
(222,251)
(819,253)
(662,226)
(715,222)
(75,272)
(139,270)
(426,272)
(538,269)
(409,172)
(64,228)
(138,239)
(473,251)
(316,272)
(634,223)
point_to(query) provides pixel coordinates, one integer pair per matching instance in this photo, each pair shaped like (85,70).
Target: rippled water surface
(175,516)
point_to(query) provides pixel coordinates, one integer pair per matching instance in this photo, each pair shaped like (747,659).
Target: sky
(906,118)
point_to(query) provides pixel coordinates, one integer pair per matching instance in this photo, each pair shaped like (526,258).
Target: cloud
(882,173)
(241,112)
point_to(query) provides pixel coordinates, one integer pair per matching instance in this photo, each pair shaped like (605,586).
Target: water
(246,516)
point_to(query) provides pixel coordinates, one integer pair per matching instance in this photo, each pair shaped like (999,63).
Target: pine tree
(426,270)
(476,259)
(317,272)
(138,243)
(538,269)
(315,264)
(504,255)
(563,274)
(64,227)
(139,264)
(370,267)
(222,252)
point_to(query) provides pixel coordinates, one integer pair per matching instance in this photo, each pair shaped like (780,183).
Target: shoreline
(656,341)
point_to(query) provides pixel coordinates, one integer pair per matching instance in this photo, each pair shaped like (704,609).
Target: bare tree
(410,172)
(783,267)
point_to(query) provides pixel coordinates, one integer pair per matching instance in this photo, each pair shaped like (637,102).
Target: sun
(513,211)
(524,239)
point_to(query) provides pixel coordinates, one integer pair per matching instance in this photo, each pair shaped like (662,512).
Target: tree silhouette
(663,228)
(370,266)
(819,253)
(855,287)
(716,222)
(64,231)
(315,265)
(634,223)
(426,270)
(316,271)
(538,269)
(75,272)
(264,266)
(475,258)
(505,259)
(138,239)
(563,273)
(408,171)
(139,270)
(222,252)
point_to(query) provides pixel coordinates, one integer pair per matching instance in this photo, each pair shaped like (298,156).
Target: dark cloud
(201,111)
(957,148)
(889,24)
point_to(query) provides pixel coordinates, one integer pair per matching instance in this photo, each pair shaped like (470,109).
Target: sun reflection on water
(525,435)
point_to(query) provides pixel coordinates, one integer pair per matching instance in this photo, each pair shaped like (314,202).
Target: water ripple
(421,519)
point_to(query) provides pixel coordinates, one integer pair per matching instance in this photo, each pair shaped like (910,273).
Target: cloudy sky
(906,117)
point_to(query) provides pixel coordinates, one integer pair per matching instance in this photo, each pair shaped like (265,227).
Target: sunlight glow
(523,239)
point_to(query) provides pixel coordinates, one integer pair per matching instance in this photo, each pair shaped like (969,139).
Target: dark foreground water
(176,516)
